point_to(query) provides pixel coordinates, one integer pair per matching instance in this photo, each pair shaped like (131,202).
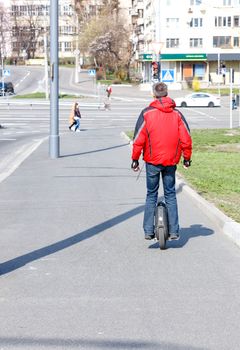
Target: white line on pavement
(10,163)
(202,113)
(7,139)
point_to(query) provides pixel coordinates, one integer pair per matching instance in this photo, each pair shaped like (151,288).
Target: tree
(27,27)
(4,31)
(106,39)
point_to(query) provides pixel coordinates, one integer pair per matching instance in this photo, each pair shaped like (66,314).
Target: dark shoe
(69,128)
(149,236)
(174,237)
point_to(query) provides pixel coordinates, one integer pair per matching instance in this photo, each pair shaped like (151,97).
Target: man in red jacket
(163,136)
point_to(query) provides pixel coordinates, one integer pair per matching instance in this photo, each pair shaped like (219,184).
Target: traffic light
(155,71)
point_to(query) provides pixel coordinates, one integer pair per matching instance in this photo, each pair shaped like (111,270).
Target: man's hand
(186,163)
(135,165)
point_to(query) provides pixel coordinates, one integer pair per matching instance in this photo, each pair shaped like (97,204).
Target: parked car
(198,99)
(7,88)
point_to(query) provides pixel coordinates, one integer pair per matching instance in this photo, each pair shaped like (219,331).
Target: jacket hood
(164,104)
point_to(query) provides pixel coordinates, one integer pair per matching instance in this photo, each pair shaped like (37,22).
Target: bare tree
(4,31)
(27,27)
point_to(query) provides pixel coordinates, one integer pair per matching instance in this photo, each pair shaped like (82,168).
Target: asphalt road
(76,272)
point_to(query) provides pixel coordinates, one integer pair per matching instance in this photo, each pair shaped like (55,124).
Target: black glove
(187,163)
(135,165)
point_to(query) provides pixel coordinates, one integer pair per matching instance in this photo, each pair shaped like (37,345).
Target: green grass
(215,169)
(42,95)
(223,91)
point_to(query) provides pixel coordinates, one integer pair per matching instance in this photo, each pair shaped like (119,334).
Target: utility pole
(158,37)
(54,87)
(77,52)
(231,101)
(3,92)
(46,54)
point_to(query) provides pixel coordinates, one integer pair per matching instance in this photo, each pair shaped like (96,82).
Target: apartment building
(187,39)
(30,26)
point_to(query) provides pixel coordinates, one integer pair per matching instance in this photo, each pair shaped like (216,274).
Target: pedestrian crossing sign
(92,72)
(6,72)
(167,75)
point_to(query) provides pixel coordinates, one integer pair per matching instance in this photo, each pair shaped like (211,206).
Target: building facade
(30,26)
(199,39)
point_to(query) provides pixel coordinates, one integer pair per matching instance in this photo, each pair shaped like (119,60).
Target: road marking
(10,163)
(16,85)
(202,113)
(8,139)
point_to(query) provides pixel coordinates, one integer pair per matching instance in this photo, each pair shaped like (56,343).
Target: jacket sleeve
(139,137)
(185,138)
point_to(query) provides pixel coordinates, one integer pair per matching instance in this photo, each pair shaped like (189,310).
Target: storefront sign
(175,57)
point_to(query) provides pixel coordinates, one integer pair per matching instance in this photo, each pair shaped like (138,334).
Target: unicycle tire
(161,224)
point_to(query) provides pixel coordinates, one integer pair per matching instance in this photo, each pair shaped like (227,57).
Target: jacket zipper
(150,146)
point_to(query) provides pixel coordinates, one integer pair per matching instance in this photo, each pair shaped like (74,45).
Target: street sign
(92,72)
(6,72)
(167,75)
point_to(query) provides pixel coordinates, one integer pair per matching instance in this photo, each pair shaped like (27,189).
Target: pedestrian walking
(74,117)
(109,91)
(163,135)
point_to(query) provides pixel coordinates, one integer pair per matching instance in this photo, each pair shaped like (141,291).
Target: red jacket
(162,133)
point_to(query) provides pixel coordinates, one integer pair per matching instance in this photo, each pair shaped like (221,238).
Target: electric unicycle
(161,224)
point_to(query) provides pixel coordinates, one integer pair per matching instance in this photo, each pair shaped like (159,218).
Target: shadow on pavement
(186,233)
(93,343)
(94,151)
(16,263)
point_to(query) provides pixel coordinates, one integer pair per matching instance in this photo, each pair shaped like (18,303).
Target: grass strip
(215,169)
(42,95)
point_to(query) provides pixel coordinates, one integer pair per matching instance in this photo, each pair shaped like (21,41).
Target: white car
(198,99)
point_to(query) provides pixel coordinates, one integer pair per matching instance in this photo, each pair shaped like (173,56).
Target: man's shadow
(186,233)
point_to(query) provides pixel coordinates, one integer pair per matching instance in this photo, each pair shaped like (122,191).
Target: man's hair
(160,90)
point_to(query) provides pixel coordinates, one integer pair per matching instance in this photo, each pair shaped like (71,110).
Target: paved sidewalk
(76,272)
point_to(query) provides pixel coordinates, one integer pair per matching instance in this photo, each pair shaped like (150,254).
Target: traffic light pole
(54,86)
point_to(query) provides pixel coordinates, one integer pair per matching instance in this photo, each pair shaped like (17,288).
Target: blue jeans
(77,125)
(153,178)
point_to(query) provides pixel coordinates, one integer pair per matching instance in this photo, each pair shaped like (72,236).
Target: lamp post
(54,85)
(46,54)
(2,70)
(77,53)
(218,73)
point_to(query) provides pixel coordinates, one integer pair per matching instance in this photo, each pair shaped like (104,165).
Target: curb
(228,226)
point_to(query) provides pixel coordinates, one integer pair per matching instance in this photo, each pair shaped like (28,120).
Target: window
(172,42)
(67,30)
(221,41)
(195,2)
(67,10)
(196,42)
(172,22)
(236,41)
(67,46)
(196,22)
(199,70)
(223,21)
(227,2)
(236,21)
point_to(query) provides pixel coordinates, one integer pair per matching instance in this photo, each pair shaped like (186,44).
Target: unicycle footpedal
(161,224)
